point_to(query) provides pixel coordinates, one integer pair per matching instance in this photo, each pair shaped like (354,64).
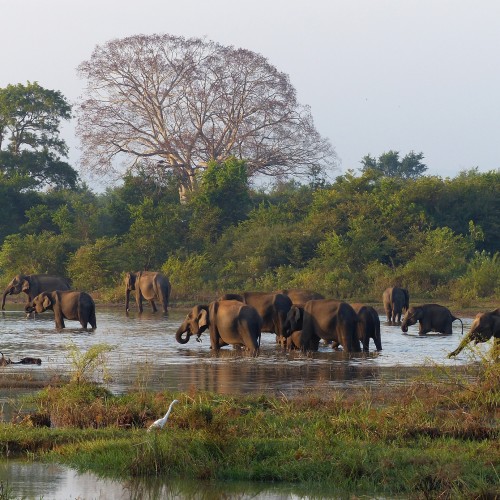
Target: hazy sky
(421,75)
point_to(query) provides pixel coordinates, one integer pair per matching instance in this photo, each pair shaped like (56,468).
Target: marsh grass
(436,437)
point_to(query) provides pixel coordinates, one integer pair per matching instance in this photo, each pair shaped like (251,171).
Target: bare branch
(180,103)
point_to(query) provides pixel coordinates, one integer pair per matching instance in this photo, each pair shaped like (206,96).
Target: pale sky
(421,75)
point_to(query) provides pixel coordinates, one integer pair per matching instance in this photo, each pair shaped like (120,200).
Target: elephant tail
(461,322)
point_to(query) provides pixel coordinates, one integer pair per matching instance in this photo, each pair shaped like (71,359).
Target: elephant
(272,307)
(294,341)
(34,284)
(300,296)
(230,322)
(431,318)
(368,326)
(148,285)
(396,301)
(68,304)
(326,319)
(484,326)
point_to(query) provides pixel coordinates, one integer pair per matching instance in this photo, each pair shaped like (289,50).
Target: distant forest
(349,239)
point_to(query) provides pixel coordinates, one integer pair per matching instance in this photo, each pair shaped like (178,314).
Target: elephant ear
(46,302)
(25,285)
(203,318)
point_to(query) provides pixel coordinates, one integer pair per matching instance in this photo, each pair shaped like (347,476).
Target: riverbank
(434,437)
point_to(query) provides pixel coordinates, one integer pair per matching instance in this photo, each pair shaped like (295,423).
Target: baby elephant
(431,318)
(78,306)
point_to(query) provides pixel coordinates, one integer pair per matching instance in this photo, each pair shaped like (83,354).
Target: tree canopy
(175,104)
(389,164)
(30,145)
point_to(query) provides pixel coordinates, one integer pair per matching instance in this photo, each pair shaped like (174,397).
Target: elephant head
(40,303)
(413,314)
(294,320)
(20,283)
(196,322)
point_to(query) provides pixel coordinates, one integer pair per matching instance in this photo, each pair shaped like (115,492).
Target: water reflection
(36,480)
(147,355)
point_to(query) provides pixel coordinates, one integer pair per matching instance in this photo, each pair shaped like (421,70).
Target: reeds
(436,437)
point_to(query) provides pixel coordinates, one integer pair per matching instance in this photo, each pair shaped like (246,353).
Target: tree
(175,104)
(30,145)
(389,164)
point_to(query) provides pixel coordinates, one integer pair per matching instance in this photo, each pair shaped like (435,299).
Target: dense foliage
(348,239)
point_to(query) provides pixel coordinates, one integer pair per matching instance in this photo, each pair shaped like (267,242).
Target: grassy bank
(436,437)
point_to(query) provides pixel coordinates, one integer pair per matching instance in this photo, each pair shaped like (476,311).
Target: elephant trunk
(8,290)
(179,334)
(464,342)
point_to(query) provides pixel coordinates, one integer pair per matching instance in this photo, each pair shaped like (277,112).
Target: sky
(379,75)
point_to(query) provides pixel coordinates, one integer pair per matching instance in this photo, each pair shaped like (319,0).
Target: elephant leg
(366,343)
(423,329)
(138,299)
(448,330)
(164,302)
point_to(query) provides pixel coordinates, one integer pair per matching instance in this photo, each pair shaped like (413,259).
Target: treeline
(348,239)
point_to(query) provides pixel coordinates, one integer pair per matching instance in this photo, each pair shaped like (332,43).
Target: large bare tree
(175,103)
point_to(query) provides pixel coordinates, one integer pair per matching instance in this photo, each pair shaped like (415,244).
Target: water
(145,354)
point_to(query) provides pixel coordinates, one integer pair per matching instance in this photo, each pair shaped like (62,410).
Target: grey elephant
(68,304)
(34,284)
(430,318)
(230,322)
(326,319)
(299,296)
(272,308)
(368,326)
(396,301)
(485,326)
(150,286)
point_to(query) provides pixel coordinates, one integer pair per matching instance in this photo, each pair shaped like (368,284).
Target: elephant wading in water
(34,284)
(78,306)
(396,301)
(368,326)
(431,318)
(325,319)
(230,322)
(148,285)
(272,308)
(484,327)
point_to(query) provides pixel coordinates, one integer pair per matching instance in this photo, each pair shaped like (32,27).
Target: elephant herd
(299,318)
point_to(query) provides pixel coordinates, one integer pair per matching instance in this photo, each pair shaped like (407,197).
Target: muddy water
(145,354)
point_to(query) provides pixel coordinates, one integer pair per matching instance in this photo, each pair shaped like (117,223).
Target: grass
(436,437)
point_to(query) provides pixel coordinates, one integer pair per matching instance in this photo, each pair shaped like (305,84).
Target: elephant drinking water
(484,327)
(230,322)
(430,318)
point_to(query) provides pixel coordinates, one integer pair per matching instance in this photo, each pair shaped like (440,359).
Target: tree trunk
(188,183)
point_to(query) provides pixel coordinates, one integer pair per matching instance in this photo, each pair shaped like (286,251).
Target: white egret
(160,423)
